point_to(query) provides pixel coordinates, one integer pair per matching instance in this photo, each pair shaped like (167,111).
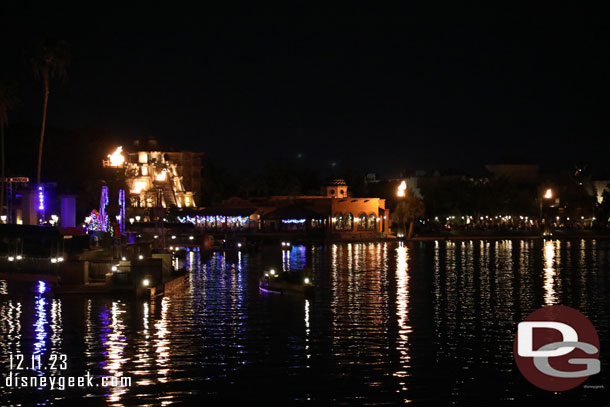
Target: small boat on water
(295,282)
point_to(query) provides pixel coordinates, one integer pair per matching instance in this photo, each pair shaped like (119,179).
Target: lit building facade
(334,214)
(154,178)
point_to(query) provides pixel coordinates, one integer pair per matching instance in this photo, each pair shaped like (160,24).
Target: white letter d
(525,338)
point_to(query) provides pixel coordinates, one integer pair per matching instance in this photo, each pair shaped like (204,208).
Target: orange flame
(402,189)
(116,159)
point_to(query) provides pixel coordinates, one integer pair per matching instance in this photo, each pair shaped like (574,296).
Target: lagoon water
(424,323)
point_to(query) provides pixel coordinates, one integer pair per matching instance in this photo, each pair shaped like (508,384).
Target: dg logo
(556,348)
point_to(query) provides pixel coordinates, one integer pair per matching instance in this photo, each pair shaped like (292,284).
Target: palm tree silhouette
(6,103)
(50,59)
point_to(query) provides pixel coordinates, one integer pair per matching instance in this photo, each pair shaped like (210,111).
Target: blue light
(42,287)
(41,321)
(293,220)
(40,198)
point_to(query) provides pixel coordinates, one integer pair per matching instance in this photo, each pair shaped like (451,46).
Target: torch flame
(402,189)
(116,159)
(548,194)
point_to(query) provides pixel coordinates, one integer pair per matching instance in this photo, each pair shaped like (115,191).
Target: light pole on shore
(547,195)
(401,192)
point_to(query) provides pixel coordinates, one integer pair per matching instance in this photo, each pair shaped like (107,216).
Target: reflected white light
(402,313)
(550,296)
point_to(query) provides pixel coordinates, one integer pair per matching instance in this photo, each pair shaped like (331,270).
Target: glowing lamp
(145,282)
(161,176)
(139,186)
(306,280)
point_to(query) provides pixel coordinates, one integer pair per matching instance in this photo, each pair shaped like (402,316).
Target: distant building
(334,214)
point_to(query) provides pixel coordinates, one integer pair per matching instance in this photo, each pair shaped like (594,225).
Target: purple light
(103,203)
(122,211)
(40,198)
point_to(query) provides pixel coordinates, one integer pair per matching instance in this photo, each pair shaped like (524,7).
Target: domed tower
(336,188)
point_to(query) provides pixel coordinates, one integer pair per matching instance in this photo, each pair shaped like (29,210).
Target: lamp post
(547,195)
(401,192)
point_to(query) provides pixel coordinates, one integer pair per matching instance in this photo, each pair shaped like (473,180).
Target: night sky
(372,90)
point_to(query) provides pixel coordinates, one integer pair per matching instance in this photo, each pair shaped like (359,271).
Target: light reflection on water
(402,312)
(389,324)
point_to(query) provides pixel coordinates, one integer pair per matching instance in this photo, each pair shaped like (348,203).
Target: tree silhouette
(6,103)
(49,59)
(407,210)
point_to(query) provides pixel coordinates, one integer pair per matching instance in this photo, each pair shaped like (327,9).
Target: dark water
(427,323)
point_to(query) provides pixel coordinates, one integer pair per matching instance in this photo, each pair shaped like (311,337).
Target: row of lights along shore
(20,257)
